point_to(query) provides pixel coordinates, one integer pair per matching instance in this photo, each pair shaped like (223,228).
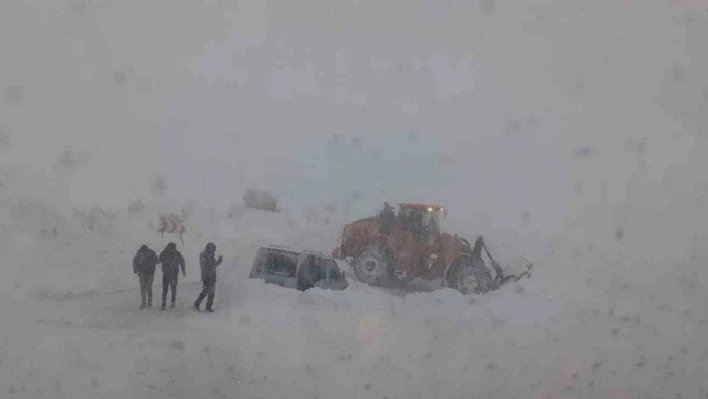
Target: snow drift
(73,328)
(574,129)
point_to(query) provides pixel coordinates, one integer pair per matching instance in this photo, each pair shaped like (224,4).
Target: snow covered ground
(71,326)
(572,132)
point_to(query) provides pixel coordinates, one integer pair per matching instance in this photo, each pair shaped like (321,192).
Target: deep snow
(572,132)
(71,326)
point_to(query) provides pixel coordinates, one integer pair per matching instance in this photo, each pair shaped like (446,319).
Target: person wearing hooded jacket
(208,268)
(387,218)
(172,261)
(144,264)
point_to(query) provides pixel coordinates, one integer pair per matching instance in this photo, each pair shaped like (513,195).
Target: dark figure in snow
(172,261)
(416,224)
(208,265)
(144,264)
(386,219)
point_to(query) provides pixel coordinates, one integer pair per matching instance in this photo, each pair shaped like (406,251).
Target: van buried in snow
(299,269)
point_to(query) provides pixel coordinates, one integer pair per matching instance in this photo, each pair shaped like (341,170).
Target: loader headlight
(430,209)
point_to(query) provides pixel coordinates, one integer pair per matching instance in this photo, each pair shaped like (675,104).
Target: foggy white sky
(569,131)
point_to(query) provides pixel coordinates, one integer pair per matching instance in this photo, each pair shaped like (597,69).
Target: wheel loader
(393,249)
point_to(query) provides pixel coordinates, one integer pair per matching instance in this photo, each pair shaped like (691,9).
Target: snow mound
(72,268)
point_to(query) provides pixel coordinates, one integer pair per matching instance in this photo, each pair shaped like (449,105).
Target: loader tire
(469,275)
(372,266)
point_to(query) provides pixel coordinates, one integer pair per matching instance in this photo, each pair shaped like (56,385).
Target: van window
(261,259)
(311,269)
(281,263)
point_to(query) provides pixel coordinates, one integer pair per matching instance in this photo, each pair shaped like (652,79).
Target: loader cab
(423,220)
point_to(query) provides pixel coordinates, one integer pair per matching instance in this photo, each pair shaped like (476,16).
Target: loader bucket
(514,271)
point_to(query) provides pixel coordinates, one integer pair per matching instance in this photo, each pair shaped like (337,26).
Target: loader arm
(476,251)
(497,269)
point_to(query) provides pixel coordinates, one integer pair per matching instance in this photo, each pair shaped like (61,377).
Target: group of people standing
(146,260)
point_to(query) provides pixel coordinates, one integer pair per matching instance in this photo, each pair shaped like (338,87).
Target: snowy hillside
(572,132)
(72,328)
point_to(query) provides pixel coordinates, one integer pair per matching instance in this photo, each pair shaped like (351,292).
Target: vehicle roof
(296,250)
(420,205)
(279,247)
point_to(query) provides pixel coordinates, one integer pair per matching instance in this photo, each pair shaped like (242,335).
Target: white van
(299,269)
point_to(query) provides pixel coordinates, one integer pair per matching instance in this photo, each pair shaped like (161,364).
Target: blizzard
(571,133)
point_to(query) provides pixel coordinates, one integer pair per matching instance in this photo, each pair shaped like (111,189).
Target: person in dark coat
(144,264)
(208,267)
(386,219)
(172,261)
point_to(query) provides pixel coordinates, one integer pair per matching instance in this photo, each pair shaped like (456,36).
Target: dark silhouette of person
(172,261)
(144,264)
(208,265)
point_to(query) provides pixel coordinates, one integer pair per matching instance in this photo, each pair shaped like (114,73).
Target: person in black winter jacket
(208,265)
(387,219)
(172,261)
(144,264)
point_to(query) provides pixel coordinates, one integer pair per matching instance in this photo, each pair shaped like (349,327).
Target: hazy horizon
(571,132)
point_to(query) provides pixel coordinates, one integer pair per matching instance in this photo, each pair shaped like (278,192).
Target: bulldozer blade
(517,270)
